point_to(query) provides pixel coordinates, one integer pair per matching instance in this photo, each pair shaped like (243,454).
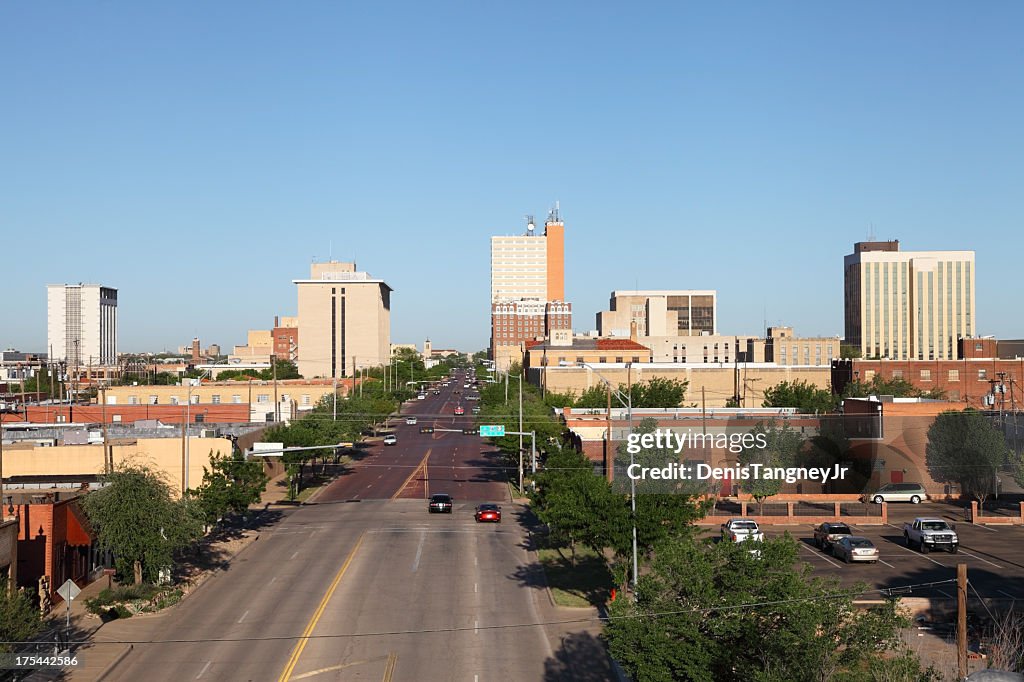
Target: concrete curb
(116,662)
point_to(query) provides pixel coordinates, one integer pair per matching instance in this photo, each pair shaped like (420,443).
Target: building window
(174,400)
(194,399)
(579,358)
(153,400)
(215,399)
(602,359)
(263,398)
(618,358)
(897,374)
(926,375)
(982,375)
(236,398)
(305,399)
(954,375)
(116,418)
(636,358)
(133,400)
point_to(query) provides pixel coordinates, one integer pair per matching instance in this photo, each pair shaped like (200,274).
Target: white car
(410,420)
(390,439)
(421,396)
(740,530)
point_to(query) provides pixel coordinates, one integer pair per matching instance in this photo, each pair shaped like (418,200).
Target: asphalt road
(367,585)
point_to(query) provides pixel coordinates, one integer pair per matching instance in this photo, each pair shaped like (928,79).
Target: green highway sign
(492,431)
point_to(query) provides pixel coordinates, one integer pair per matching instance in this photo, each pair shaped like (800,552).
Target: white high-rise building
(908,305)
(81,324)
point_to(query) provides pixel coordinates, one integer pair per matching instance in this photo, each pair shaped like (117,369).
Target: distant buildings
(684,312)
(344,321)
(527,289)
(81,324)
(908,305)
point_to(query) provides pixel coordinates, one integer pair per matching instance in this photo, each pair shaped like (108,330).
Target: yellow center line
(415,471)
(301,644)
(389,669)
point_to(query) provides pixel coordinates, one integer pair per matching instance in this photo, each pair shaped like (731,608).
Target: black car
(440,503)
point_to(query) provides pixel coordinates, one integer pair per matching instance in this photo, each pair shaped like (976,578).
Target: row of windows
(951,375)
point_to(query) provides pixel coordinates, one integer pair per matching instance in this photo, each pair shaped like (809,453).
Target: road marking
(476,627)
(243,616)
(475,587)
(414,472)
(983,527)
(294,555)
(980,559)
(389,669)
(1007,594)
(918,554)
(820,555)
(886,563)
(333,668)
(272,580)
(301,644)
(205,668)
(419,551)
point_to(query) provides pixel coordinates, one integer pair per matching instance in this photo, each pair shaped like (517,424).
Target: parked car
(852,548)
(899,492)
(488,512)
(441,503)
(459,410)
(410,420)
(740,530)
(928,534)
(829,533)
(390,439)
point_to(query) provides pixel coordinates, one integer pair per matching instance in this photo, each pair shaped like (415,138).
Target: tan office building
(908,305)
(684,312)
(81,324)
(344,321)
(530,266)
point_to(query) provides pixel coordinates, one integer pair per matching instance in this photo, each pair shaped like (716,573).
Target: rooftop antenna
(330,249)
(530,225)
(871,234)
(553,214)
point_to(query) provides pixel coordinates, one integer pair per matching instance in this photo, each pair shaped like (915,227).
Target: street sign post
(69,590)
(492,430)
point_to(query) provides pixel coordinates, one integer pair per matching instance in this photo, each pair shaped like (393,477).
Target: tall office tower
(908,305)
(81,324)
(344,321)
(527,272)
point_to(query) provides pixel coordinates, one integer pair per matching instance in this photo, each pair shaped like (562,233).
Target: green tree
(137,516)
(19,618)
(847,351)
(965,447)
(658,392)
(781,447)
(804,396)
(594,397)
(713,612)
(230,484)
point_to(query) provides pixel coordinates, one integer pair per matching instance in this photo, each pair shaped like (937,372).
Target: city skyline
(737,149)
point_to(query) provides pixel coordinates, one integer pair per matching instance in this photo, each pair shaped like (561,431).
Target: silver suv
(899,492)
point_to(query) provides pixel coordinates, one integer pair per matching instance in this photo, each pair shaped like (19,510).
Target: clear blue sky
(198,156)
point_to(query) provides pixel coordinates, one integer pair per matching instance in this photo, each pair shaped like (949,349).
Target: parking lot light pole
(626,399)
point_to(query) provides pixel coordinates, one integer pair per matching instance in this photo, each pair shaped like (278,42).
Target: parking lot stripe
(819,555)
(980,559)
(984,527)
(1007,594)
(918,554)
(886,563)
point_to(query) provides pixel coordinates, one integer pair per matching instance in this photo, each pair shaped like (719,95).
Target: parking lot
(994,555)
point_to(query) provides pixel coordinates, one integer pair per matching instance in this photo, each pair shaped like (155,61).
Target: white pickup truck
(738,530)
(929,533)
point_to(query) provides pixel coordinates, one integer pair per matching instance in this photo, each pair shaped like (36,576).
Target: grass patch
(127,600)
(588,583)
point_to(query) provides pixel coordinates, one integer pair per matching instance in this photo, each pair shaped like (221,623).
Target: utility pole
(961,620)
(609,453)
(520,431)
(107,461)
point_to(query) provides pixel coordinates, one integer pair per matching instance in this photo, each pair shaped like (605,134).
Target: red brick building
(223,413)
(54,540)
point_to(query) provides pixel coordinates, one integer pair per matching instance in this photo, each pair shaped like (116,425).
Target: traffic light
(469,432)
(426,429)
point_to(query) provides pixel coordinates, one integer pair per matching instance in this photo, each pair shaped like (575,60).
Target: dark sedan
(828,534)
(440,504)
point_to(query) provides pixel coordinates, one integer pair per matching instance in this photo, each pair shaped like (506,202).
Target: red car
(488,512)
(459,410)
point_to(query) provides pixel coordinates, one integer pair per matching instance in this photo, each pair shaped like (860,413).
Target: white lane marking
(475,587)
(205,668)
(474,561)
(983,527)
(476,627)
(1007,594)
(293,556)
(822,556)
(272,580)
(980,559)
(918,554)
(886,563)
(243,616)
(419,551)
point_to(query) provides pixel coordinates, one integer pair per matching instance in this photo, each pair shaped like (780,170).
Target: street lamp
(626,400)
